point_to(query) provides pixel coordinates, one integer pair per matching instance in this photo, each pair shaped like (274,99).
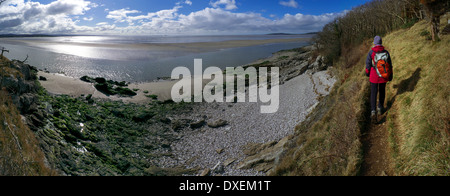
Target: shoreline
(60,84)
(215,138)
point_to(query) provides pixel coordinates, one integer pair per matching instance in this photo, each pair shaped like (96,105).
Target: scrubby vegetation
(365,22)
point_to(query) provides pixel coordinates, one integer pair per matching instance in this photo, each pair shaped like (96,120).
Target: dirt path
(376,150)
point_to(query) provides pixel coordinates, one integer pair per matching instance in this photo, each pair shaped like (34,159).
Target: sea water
(103,56)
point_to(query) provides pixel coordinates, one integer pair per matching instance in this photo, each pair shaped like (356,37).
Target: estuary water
(143,58)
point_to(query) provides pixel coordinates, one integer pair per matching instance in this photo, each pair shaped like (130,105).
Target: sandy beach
(59,84)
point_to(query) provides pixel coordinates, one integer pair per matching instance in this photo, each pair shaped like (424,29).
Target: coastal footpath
(410,139)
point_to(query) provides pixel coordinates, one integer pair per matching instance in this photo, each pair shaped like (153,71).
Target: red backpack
(381,65)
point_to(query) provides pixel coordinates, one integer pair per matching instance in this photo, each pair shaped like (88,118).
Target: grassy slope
(329,141)
(20,153)
(418,122)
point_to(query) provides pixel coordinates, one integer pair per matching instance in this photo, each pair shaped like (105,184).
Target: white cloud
(188,2)
(229,4)
(121,15)
(68,7)
(290,3)
(219,21)
(216,19)
(88,19)
(104,26)
(18,16)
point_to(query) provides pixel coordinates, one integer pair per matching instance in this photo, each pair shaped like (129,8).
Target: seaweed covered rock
(109,87)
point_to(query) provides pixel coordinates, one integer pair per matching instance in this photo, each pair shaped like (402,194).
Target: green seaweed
(87,136)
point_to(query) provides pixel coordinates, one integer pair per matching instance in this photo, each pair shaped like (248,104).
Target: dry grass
(420,113)
(20,153)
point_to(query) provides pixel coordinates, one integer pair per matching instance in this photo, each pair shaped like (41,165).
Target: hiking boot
(373,117)
(380,110)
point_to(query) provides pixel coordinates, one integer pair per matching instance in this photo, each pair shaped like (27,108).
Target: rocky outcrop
(319,64)
(263,157)
(295,62)
(19,79)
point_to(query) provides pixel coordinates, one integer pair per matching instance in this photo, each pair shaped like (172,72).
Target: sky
(169,17)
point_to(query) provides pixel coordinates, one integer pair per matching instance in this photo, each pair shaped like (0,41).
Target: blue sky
(169,16)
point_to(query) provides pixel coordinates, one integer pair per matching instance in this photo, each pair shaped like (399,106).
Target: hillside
(412,138)
(20,153)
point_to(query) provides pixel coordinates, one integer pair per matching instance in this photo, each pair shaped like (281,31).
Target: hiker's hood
(378,48)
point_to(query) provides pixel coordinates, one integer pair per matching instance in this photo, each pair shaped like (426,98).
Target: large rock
(319,64)
(21,86)
(218,123)
(180,124)
(263,157)
(26,101)
(197,124)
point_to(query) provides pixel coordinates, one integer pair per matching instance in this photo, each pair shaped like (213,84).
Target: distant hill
(281,34)
(25,35)
(291,33)
(32,35)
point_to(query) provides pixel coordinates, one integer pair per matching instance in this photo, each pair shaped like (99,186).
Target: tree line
(377,17)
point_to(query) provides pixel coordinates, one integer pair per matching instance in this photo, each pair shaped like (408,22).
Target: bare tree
(376,17)
(435,9)
(413,8)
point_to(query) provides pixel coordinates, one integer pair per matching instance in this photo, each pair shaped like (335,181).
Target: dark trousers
(374,90)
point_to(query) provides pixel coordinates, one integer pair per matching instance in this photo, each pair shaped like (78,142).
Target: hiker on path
(379,69)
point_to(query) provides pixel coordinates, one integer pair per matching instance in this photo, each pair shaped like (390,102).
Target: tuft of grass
(152,96)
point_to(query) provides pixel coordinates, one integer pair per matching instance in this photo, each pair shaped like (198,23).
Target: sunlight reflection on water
(82,51)
(94,58)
